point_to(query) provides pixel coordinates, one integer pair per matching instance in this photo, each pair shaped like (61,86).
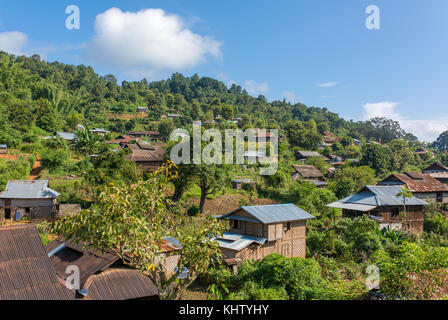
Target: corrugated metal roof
(422,183)
(26,272)
(3,146)
(375,196)
(28,189)
(241,242)
(277,213)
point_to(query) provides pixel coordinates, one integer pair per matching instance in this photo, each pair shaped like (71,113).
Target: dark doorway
(7,214)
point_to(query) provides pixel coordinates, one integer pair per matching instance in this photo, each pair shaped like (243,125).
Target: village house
(142,109)
(329,139)
(99,131)
(305,155)
(152,136)
(424,154)
(26,272)
(3,149)
(30,198)
(257,231)
(438,171)
(103,274)
(310,174)
(382,204)
(422,185)
(147,157)
(67,136)
(246,184)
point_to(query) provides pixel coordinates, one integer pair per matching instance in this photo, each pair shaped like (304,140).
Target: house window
(439,197)
(395,212)
(27,210)
(287,226)
(235,224)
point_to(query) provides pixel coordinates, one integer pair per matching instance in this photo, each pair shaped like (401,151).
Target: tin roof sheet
(28,189)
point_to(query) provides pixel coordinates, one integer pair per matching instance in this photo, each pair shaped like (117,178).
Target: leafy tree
(441,143)
(375,157)
(132,220)
(87,143)
(412,272)
(399,154)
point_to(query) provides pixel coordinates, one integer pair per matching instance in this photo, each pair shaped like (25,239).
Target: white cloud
(13,42)
(256,88)
(149,39)
(427,130)
(290,96)
(327,84)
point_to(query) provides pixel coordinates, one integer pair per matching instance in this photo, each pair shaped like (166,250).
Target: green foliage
(300,278)
(412,272)
(376,157)
(349,180)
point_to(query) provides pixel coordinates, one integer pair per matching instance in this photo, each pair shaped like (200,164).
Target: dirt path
(37,168)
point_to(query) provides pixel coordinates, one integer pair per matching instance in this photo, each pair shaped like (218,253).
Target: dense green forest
(38,97)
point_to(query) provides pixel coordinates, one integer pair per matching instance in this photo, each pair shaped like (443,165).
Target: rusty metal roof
(119,284)
(435,167)
(145,152)
(26,272)
(88,261)
(416,182)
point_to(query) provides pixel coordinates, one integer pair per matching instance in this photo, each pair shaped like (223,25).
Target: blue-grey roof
(372,197)
(64,135)
(275,213)
(28,189)
(3,146)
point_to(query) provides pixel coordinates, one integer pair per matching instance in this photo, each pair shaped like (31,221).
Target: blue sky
(316,52)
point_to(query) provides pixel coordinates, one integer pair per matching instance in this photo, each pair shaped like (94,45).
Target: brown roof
(417,182)
(329,137)
(122,139)
(145,133)
(308,172)
(436,167)
(119,284)
(102,274)
(145,152)
(26,272)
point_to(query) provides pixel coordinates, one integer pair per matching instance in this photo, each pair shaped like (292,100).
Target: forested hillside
(37,97)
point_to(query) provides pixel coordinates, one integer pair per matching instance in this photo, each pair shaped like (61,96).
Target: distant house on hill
(3,149)
(32,199)
(99,131)
(67,136)
(257,231)
(305,155)
(438,171)
(123,140)
(423,153)
(142,109)
(147,157)
(26,272)
(171,116)
(329,138)
(153,136)
(422,185)
(382,204)
(310,174)
(103,274)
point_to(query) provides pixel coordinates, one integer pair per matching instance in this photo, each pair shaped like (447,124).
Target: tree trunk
(202,202)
